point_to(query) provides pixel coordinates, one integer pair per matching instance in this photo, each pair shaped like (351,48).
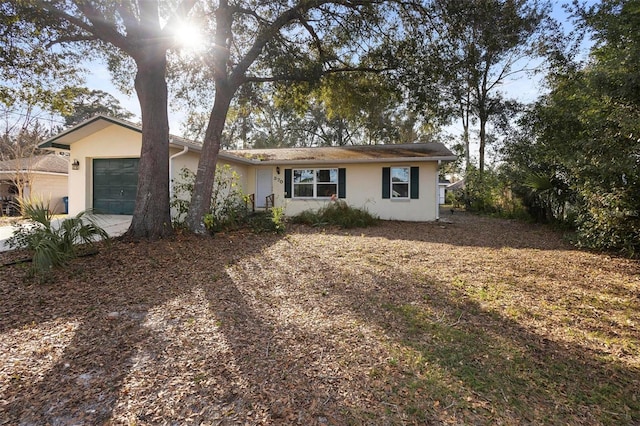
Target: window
(315,183)
(400,182)
(303,183)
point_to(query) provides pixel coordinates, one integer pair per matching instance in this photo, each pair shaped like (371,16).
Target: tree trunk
(152,214)
(465,139)
(203,187)
(483,142)
(466,119)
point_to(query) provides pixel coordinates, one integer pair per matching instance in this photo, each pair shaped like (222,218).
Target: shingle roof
(359,153)
(334,154)
(48,163)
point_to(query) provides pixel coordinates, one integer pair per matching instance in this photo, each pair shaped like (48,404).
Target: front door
(264,187)
(115,182)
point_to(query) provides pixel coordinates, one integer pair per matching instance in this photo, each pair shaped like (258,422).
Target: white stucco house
(395,182)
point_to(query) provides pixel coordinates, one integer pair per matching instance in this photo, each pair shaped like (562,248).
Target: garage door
(115,181)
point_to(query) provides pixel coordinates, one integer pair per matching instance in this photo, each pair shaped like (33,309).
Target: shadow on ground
(388,325)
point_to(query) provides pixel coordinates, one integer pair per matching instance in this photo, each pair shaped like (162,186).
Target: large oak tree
(139,30)
(256,42)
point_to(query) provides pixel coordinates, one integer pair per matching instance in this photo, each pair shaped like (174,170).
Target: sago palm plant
(53,243)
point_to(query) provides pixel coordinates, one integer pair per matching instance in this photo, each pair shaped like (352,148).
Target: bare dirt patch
(469,320)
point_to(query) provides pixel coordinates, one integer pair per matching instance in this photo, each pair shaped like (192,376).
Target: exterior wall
(120,142)
(189,160)
(50,188)
(364,190)
(363,181)
(241,172)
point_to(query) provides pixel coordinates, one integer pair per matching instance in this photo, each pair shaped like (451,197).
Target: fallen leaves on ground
(469,320)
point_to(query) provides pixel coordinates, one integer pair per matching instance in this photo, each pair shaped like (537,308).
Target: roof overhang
(62,141)
(353,161)
(409,153)
(353,154)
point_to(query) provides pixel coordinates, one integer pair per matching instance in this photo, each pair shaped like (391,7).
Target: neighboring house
(457,189)
(397,182)
(442,190)
(40,177)
(456,186)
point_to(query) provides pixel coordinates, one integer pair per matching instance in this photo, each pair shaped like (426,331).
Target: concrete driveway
(115,225)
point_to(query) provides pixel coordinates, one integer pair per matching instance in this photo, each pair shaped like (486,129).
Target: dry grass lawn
(468,321)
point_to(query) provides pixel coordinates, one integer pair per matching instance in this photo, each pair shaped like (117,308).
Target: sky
(524,88)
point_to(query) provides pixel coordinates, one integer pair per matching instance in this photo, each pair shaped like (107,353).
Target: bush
(268,221)
(609,222)
(490,193)
(337,213)
(229,205)
(53,246)
(453,198)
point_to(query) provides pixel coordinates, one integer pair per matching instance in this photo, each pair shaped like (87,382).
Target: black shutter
(386,182)
(342,183)
(287,183)
(415,179)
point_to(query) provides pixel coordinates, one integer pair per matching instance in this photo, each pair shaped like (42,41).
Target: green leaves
(585,136)
(53,244)
(337,213)
(32,74)
(459,54)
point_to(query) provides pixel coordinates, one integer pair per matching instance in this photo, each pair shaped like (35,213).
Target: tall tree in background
(346,109)
(131,30)
(584,140)
(33,77)
(19,139)
(20,151)
(336,111)
(468,50)
(86,103)
(276,41)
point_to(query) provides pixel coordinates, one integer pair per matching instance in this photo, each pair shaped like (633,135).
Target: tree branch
(301,78)
(238,74)
(313,34)
(129,19)
(71,39)
(100,27)
(244,11)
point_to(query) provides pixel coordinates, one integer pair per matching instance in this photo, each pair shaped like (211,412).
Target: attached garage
(115,181)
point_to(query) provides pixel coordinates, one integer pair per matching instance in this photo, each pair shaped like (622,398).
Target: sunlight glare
(188,37)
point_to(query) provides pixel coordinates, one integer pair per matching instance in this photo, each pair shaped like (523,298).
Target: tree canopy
(459,53)
(86,103)
(580,155)
(279,41)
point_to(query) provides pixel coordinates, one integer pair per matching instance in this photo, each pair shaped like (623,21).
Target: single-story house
(41,177)
(398,182)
